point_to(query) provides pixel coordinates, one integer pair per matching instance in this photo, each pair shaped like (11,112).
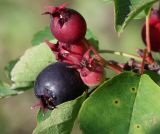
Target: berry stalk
(143,62)
(121,54)
(148,42)
(159,7)
(116,68)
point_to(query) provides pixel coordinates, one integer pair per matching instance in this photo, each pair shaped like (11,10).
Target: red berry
(92,78)
(154,26)
(91,70)
(67,25)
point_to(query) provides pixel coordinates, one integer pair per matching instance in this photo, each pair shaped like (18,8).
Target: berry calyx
(154,31)
(78,48)
(58,83)
(91,68)
(69,53)
(67,25)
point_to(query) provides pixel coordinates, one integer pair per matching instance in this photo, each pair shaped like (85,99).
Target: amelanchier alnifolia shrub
(62,71)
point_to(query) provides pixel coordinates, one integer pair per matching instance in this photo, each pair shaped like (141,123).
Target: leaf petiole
(121,54)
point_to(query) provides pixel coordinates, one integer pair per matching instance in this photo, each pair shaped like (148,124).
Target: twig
(148,43)
(143,62)
(116,68)
(121,54)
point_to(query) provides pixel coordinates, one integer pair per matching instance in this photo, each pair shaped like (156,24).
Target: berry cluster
(78,64)
(69,28)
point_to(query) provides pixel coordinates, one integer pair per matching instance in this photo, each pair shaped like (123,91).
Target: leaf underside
(33,61)
(5,90)
(126,10)
(61,119)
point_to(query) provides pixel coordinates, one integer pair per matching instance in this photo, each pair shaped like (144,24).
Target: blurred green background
(20,20)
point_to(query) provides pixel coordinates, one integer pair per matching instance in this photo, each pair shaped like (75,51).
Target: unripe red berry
(67,25)
(154,31)
(92,78)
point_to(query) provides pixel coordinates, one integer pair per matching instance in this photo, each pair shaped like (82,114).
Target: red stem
(102,61)
(143,62)
(115,68)
(148,34)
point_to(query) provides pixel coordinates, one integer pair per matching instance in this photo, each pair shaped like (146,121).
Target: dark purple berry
(67,25)
(58,83)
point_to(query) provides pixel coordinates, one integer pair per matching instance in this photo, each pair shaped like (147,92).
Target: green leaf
(40,36)
(22,86)
(141,15)
(41,116)
(108,1)
(61,119)
(6,91)
(154,76)
(126,104)
(8,68)
(32,63)
(126,10)
(92,39)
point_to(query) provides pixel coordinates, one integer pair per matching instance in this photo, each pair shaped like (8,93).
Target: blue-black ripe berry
(58,83)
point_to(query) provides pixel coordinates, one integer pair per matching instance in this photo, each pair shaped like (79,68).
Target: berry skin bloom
(56,84)
(154,31)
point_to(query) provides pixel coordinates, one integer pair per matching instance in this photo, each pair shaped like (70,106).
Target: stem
(114,67)
(148,42)
(121,54)
(159,7)
(104,62)
(148,55)
(143,62)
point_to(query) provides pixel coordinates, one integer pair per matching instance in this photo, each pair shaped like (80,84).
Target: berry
(92,68)
(67,25)
(154,26)
(92,78)
(58,83)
